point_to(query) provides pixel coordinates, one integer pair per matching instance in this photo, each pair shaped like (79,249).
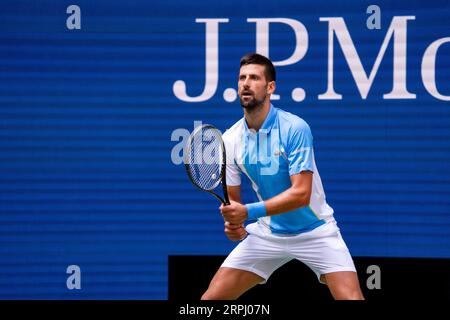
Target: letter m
(397,30)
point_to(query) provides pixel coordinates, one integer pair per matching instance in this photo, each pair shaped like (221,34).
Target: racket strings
(205,158)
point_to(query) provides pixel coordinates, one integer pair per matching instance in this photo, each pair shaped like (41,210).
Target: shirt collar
(268,122)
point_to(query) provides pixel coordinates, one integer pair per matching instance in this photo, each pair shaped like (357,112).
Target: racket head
(204,158)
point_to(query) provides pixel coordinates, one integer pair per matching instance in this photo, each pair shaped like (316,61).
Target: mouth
(246,94)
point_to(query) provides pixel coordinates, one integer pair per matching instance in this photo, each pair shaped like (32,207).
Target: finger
(243,233)
(234,237)
(238,236)
(228,216)
(232,219)
(231,226)
(234,231)
(239,225)
(226,208)
(235,226)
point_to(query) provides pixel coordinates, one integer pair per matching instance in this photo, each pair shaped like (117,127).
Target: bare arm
(234,193)
(297,196)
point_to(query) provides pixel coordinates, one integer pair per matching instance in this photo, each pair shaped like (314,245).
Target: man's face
(253,88)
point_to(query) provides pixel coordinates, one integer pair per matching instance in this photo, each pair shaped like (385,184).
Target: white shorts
(321,249)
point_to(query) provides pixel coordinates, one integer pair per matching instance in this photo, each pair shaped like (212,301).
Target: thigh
(323,250)
(343,285)
(230,283)
(258,255)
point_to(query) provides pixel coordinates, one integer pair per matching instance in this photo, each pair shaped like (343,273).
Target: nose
(246,82)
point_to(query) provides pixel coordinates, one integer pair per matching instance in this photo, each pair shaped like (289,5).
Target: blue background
(86,118)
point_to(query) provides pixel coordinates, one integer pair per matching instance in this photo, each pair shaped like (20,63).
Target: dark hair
(255,58)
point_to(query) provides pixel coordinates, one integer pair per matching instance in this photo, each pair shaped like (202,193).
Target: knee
(349,294)
(207,296)
(212,294)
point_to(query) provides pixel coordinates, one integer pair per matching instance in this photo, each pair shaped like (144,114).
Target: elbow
(302,198)
(304,202)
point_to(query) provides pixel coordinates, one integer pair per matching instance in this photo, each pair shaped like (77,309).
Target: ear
(271,86)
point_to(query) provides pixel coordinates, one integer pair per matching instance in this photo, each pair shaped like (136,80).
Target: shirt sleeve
(233,172)
(300,148)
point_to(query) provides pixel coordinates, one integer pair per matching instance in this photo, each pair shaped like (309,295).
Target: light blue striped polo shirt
(281,148)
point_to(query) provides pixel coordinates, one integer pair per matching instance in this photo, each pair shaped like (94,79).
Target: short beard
(252,104)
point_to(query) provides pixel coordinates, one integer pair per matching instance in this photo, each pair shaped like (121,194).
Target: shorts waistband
(325,220)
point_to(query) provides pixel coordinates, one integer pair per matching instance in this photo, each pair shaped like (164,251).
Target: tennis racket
(205,160)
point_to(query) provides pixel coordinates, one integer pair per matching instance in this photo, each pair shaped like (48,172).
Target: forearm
(288,200)
(297,196)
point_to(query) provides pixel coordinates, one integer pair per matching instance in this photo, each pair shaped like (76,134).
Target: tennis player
(274,149)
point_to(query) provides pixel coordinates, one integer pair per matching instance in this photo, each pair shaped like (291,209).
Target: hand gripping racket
(205,160)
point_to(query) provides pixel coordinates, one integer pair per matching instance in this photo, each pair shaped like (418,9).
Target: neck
(255,118)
